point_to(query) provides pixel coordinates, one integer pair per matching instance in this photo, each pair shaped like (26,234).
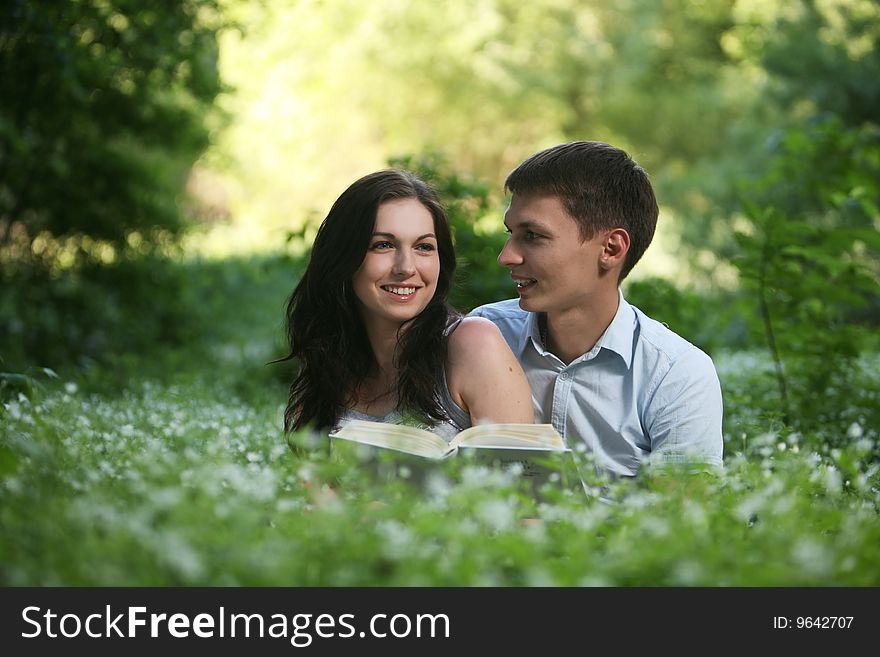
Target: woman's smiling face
(398,276)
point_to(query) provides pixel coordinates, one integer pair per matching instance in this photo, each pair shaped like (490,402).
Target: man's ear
(614,249)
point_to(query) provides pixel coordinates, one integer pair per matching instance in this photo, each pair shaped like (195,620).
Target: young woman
(370,328)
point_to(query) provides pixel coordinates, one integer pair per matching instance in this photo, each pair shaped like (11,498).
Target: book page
(395,436)
(511,436)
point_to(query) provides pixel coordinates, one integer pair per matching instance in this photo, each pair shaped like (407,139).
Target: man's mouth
(523,283)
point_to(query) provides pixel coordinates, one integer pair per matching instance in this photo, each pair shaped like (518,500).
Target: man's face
(553,268)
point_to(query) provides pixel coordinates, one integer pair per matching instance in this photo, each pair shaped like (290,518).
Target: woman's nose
(403,264)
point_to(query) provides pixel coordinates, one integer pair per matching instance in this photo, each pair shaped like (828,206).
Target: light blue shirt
(642,394)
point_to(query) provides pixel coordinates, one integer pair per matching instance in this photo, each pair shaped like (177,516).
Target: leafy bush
(711,321)
(808,258)
(149,316)
(104,106)
(102,112)
(91,313)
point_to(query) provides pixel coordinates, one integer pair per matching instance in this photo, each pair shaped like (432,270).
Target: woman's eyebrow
(394,237)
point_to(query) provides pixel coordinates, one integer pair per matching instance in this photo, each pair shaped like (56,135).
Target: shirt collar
(618,337)
(533,333)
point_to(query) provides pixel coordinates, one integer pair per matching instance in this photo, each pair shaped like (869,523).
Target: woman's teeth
(403,291)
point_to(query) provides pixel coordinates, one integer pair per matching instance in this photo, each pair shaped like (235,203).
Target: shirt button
(564,376)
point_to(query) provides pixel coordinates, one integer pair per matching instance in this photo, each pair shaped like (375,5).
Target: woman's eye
(425,247)
(376,246)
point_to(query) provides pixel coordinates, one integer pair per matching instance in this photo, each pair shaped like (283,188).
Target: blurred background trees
(136,138)
(105,106)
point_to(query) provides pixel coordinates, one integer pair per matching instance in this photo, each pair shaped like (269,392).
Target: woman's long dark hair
(325,331)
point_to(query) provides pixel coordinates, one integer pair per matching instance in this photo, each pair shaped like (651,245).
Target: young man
(602,372)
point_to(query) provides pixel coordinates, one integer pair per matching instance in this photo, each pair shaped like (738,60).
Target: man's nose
(509,256)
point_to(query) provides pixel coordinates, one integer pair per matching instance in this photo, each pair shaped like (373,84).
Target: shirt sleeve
(685,413)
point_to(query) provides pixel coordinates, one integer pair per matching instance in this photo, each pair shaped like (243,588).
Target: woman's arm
(484,377)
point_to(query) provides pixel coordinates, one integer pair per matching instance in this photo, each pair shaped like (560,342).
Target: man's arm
(684,415)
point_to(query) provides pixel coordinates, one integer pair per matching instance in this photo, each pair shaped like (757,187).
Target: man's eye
(531,235)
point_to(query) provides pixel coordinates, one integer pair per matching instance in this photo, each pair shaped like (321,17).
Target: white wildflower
(813,557)
(655,527)
(538,576)
(688,573)
(286,505)
(499,514)
(178,554)
(864,445)
(397,539)
(749,507)
(832,480)
(14,410)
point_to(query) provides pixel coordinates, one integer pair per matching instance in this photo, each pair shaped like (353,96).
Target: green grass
(187,483)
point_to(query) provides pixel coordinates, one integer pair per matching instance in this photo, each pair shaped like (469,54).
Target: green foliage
(827,52)
(845,415)
(712,321)
(692,89)
(95,312)
(488,83)
(791,62)
(178,313)
(186,484)
(102,111)
(810,258)
(13,384)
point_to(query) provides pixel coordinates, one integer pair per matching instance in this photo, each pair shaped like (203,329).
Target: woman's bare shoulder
(474,333)
(484,376)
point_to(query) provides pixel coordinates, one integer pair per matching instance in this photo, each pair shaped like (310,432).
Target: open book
(534,451)
(421,442)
